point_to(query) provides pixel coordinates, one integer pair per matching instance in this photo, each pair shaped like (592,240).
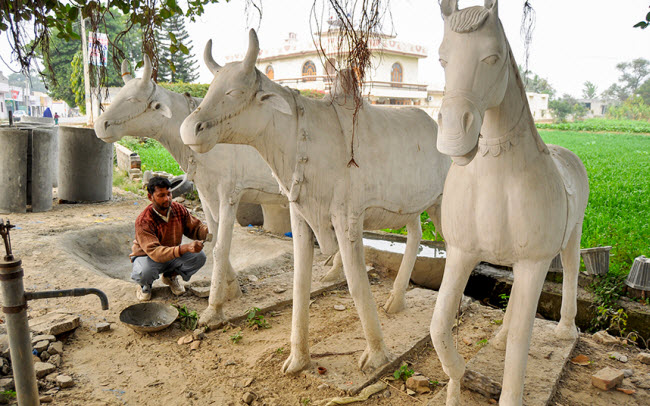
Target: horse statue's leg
(335,273)
(567,329)
(376,354)
(457,271)
(529,278)
(397,300)
(500,339)
(303,258)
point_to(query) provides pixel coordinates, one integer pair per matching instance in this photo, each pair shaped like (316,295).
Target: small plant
(279,350)
(403,372)
(498,322)
(482,343)
(10,394)
(235,338)
(433,383)
(189,318)
(305,401)
(503,300)
(255,319)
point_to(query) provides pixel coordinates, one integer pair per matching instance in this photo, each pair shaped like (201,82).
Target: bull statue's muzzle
(460,123)
(103,132)
(194,135)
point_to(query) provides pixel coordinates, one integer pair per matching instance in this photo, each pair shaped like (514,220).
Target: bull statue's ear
(274,100)
(162,108)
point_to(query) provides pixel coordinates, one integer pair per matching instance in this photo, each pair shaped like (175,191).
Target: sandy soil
(122,367)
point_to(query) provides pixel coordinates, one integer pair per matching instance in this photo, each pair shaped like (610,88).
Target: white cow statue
(226,176)
(307,144)
(509,199)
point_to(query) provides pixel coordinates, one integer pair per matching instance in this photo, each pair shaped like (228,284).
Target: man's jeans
(146,270)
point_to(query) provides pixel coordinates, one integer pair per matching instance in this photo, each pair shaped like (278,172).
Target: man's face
(161,199)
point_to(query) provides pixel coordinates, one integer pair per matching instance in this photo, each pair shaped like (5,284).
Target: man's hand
(194,246)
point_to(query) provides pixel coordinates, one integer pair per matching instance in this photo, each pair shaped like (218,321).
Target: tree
(614,92)
(589,91)
(566,106)
(77,81)
(33,82)
(536,84)
(644,91)
(175,66)
(633,73)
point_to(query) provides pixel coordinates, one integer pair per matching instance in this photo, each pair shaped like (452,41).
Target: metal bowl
(149,317)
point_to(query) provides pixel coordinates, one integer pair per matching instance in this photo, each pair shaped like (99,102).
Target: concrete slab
(546,360)
(54,323)
(404,333)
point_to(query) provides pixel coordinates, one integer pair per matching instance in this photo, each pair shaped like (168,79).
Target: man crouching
(157,247)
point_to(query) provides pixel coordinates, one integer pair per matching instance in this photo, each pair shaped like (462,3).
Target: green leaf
(173,37)
(173,49)
(73,13)
(171,3)
(184,49)
(165,13)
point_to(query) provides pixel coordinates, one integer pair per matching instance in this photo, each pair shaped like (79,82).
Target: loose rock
(185,339)
(195,345)
(323,386)
(46,399)
(64,381)
(45,356)
(420,384)
(339,307)
(6,384)
(101,327)
(248,397)
(279,290)
(41,346)
(248,382)
(628,372)
(43,368)
(607,378)
(54,323)
(617,356)
(55,360)
(55,348)
(410,392)
(604,337)
(51,377)
(198,334)
(644,357)
(41,337)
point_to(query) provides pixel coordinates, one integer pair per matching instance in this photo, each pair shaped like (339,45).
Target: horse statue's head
(476,58)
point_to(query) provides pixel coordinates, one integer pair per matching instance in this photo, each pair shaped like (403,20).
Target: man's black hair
(158,181)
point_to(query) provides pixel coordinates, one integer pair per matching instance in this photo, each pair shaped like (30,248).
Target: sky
(574,40)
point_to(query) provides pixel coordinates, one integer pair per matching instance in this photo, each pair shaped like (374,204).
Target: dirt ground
(122,367)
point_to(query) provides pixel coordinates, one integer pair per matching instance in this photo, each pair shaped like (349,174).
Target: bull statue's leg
(335,273)
(457,271)
(567,329)
(376,354)
(303,257)
(212,218)
(500,339)
(224,285)
(397,300)
(277,219)
(435,214)
(529,278)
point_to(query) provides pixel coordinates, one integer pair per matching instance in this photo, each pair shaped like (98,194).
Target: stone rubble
(607,378)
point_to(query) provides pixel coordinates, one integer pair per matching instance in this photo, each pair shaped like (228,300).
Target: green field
(153,155)
(618,213)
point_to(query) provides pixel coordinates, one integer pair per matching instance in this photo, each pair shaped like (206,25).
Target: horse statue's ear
(492,5)
(449,7)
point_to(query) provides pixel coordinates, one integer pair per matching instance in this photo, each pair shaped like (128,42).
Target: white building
(392,79)
(595,107)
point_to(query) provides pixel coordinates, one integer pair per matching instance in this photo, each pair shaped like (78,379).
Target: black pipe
(69,292)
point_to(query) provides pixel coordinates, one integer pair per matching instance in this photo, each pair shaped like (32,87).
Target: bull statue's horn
(209,60)
(146,74)
(253,50)
(126,73)
(449,7)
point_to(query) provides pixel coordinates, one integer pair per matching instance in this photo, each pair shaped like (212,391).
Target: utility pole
(84,52)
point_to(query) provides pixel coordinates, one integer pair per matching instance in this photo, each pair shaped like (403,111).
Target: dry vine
(356,23)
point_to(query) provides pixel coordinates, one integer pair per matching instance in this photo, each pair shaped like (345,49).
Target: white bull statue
(224,177)
(509,199)
(306,143)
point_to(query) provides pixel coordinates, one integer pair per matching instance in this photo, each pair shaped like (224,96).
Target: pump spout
(69,292)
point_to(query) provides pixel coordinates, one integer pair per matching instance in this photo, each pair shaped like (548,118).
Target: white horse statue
(509,199)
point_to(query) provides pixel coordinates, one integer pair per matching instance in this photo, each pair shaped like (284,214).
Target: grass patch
(153,155)
(122,181)
(600,124)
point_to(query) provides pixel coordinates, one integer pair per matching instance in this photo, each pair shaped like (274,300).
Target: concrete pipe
(37,120)
(13,170)
(85,166)
(41,170)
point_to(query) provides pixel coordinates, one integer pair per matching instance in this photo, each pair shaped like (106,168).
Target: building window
(396,72)
(269,72)
(308,69)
